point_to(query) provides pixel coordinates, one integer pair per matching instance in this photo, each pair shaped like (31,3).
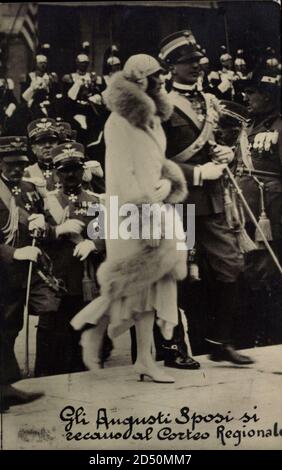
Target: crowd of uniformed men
(52,171)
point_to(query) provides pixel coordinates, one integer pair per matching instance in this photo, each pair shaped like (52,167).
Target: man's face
(228,64)
(13,171)
(255,101)
(42,148)
(188,72)
(71,176)
(41,66)
(82,66)
(205,67)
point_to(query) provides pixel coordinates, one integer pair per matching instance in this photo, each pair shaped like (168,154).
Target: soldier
(43,136)
(263,191)
(203,82)
(21,214)
(82,91)
(76,259)
(221,81)
(113,64)
(40,87)
(190,142)
(8,101)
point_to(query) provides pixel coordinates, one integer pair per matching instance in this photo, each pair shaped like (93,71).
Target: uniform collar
(185,88)
(73,191)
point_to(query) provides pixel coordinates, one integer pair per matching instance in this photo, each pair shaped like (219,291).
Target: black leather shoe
(16,397)
(225,352)
(182,363)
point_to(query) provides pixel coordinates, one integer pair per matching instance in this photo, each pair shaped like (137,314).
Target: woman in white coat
(138,278)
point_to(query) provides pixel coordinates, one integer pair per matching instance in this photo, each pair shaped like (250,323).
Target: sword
(252,172)
(26,315)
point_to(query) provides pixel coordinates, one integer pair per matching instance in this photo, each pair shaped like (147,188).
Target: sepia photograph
(140,229)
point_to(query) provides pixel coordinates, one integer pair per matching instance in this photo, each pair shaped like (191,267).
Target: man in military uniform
(43,136)
(21,215)
(8,101)
(190,142)
(76,259)
(263,187)
(40,88)
(222,81)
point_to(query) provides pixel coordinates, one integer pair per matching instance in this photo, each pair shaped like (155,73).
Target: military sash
(56,209)
(35,171)
(16,214)
(60,213)
(206,133)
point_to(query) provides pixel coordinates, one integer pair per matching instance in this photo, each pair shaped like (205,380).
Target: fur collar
(129,101)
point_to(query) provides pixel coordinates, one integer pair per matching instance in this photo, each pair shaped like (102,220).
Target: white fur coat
(135,162)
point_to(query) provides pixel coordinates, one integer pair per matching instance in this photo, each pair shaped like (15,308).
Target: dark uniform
(8,105)
(83,101)
(263,281)
(43,170)
(57,341)
(17,203)
(188,132)
(41,91)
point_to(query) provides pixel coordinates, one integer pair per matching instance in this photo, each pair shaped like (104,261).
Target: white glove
(70,226)
(94,167)
(83,249)
(36,222)
(81,119)
(264,141)
(96,99)
(162,191)
(212,171)
(27,253)
(223,154)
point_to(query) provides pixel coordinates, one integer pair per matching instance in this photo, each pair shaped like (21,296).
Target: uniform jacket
(29,201)
(66,266)
(266,161)
(181,132)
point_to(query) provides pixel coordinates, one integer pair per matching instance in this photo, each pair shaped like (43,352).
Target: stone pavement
(219,406)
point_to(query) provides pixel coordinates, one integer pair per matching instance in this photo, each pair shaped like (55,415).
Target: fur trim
(130,275)
(129,101)
(179,190)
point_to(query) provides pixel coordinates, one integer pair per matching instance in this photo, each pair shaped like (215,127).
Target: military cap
(234,110)
(71,153)
(179,47)
(64,130)
(42,128)
(14,148)
(263,80)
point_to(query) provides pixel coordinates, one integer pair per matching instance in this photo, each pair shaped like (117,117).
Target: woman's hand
(162,191)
